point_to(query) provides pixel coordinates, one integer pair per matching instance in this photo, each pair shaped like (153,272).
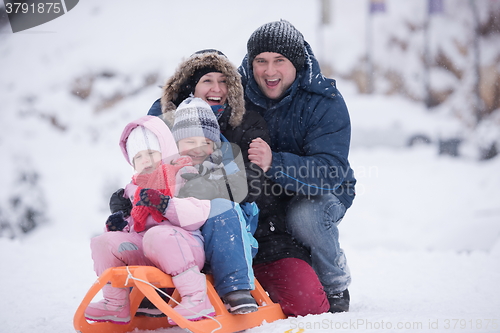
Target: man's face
(273,73)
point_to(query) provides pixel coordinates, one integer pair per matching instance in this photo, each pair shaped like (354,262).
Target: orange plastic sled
(223,322)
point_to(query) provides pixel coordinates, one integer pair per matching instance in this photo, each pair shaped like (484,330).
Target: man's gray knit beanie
(279,37)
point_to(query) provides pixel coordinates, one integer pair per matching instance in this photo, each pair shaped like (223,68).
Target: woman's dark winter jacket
(238,125)
(310,136)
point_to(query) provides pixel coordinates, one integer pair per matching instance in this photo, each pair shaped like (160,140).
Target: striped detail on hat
(194,117)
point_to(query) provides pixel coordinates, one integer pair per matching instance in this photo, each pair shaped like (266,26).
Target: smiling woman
(212,87)
(211,79)
(209,75)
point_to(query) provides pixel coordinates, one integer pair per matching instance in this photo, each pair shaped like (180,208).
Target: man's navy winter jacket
(310,133)
(310,136)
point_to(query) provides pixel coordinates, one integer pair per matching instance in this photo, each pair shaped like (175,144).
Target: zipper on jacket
(271,224)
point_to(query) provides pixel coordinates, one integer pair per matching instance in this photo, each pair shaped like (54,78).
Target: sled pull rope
(131,276)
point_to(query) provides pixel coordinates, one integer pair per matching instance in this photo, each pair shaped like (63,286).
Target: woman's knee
(294,285)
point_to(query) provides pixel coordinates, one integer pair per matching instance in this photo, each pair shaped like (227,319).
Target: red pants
(294,285)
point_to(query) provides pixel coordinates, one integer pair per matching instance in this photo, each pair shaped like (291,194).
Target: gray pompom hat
(194,117)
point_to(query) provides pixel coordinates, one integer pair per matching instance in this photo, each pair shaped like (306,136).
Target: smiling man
(310,184)
(274,74)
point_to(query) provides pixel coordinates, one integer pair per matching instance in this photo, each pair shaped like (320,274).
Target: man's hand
(260,154)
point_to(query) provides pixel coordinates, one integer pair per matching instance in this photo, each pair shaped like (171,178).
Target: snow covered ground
(422,238)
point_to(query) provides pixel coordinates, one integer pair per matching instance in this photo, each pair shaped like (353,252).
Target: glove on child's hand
(116,222)
(201,188)
(152,198)
(118,202)
(190,175)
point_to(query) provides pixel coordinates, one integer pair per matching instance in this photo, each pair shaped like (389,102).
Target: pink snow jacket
(187,213)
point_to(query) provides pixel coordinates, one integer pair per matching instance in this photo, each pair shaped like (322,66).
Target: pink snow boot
(115,307)
(192,286)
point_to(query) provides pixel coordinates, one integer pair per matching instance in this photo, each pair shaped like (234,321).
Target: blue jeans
(229,247)
(313,221)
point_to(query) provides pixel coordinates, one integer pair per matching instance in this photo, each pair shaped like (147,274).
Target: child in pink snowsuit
(162,231)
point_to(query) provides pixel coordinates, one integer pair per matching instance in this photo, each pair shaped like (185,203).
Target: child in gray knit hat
(221,175)
(197,133)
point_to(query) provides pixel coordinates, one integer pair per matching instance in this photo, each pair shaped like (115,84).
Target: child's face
(196,147)
(212,88)
(146,161)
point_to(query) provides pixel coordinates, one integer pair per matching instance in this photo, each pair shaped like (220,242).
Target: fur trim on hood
(235,99)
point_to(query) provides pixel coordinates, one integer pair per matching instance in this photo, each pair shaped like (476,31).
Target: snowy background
(422,238)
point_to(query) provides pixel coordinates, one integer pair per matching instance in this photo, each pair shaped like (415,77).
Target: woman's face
(212,88)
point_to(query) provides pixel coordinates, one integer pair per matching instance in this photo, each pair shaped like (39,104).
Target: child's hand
(152,198)
(188,176)
(118,202)
(116,222)
(183,160)
(200,188)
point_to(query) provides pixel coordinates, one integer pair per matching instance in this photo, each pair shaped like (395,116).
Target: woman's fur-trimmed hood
(171,89)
